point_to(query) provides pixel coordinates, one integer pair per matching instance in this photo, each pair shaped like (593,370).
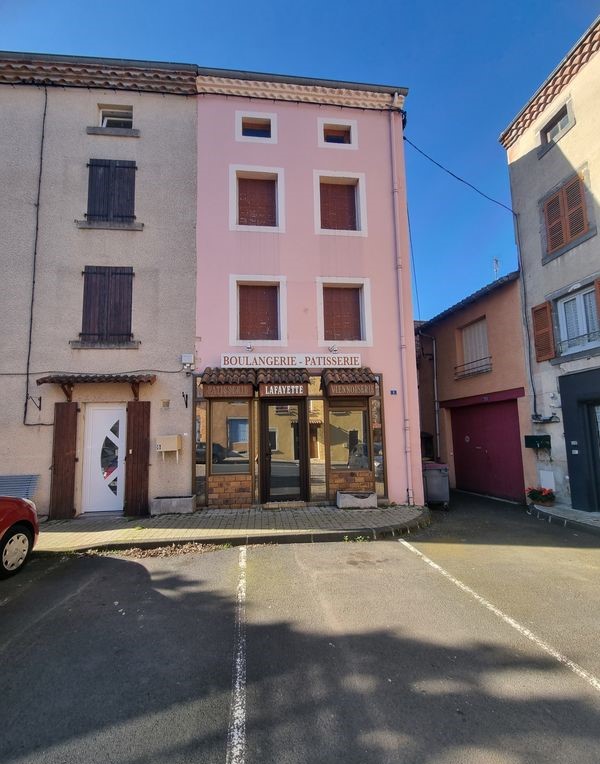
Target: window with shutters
(257,311)
(340,205)
(337,133)
(578,320)
(476,357)
(565,216)
(107,303)
(255,127)
(256,199)
(111,194)
(344,311)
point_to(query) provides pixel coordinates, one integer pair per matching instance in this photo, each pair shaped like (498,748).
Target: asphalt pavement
(471,642)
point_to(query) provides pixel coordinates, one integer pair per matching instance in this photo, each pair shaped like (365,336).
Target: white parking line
(236,733)
(525,632)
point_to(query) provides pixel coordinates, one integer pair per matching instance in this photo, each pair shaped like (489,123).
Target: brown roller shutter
(543,335)
(341,313)
(259,312)
(62,487)
(257,201)
(338,206)
(137,458)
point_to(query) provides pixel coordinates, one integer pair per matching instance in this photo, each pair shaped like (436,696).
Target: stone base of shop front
(229,491)
(361,481)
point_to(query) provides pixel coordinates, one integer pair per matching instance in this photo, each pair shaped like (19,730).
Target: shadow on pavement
(129,663)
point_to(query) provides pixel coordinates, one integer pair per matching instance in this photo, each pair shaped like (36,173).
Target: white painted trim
(281,283)
(239,116)
(361,201)
(351,123)
(256,171)
(366,320)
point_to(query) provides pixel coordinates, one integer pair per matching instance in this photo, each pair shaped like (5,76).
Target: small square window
(116,116)
(337,133)
(253,127)
(558,125)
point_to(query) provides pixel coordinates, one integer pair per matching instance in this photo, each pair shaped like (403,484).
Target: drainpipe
(436,402)
(395,109)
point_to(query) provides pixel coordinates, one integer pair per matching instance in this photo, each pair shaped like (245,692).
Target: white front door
(103,463)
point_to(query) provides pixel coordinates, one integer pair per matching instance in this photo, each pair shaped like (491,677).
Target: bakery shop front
(269,434)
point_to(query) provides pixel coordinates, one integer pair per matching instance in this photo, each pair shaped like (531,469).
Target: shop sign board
(353,388)
(267,390)
(291,361)
(227,391)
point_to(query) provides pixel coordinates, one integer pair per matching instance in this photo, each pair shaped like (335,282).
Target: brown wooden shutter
(118,319)
(574,205)
(341,313)
(258,312)
(107,298)
(123,196)
(62,486)
(257,201)
(597,288)
(555,222)
(338,206)
(95,297)
(111,190)
(137,458)
(99,189)
(543,334)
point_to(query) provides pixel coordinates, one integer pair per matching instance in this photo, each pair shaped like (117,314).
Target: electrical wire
(457,177)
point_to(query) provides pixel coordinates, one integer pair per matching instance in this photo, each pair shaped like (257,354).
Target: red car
(19,531)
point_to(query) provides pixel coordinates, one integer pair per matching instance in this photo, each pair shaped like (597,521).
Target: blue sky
(470,66)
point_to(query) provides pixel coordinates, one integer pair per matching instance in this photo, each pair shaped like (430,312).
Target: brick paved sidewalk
(238,526)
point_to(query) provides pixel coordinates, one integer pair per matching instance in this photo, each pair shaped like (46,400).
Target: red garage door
(487,449)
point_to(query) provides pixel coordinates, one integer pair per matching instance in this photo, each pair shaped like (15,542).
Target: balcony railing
(573,344)
(478,366)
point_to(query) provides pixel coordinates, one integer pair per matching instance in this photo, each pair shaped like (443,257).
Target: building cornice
(558,80)
(274,90)
(106,74)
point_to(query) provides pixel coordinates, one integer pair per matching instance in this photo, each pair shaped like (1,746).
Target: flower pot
(544,502)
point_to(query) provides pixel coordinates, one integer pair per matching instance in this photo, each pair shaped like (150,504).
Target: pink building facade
(304,351)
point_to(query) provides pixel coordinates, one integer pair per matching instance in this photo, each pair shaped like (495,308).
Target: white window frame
(276,431)
(124,109)
(256,171)
(241,115)
(234,309)
(361,200)
(562,322)
(366,320)
(322,122)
